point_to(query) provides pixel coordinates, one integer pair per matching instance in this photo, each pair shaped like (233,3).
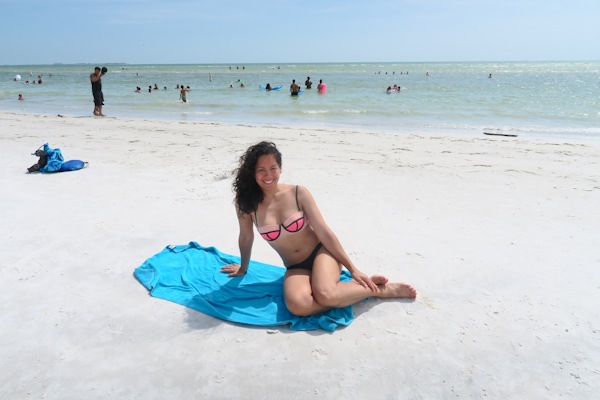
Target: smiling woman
(288,218)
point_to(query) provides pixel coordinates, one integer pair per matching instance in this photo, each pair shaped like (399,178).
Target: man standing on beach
(96,79)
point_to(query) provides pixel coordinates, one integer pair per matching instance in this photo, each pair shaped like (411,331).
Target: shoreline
(499,236)
(341,129)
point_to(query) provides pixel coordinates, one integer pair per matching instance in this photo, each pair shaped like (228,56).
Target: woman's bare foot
(397,290)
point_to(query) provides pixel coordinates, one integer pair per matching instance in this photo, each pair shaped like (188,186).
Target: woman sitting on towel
(288,218)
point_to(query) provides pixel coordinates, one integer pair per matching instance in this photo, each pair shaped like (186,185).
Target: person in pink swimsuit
(288,218)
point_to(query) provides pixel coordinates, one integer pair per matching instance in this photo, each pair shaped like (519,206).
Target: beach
(499,236)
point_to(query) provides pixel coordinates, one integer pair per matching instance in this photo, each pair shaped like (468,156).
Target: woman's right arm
(245,241)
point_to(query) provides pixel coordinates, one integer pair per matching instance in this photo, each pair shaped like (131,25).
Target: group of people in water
(39,80)
(182,90)
(394,88)
(18,78)
(295,89)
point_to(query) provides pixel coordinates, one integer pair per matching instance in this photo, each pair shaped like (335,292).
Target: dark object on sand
(43,160)
(499,134)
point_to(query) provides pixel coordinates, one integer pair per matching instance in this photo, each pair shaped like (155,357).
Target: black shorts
(98,99)
(308,263)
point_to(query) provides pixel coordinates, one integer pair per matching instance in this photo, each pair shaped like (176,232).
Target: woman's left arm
(329,239)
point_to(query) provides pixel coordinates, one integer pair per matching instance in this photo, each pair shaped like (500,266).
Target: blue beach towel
(190,275)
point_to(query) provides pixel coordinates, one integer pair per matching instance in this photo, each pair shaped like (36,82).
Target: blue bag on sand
(72,165)
(190,275)
(55,159)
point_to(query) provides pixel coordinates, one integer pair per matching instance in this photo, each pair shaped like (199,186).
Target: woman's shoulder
(302,193)
(293,188)
(292,191)
(286,189)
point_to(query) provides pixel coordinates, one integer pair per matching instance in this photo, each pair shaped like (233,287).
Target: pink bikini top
(294,223)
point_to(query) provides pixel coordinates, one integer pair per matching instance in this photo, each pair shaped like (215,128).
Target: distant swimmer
(490,77)
(308,83)
(321,87)
(268,87)
(21,97)
(294,88)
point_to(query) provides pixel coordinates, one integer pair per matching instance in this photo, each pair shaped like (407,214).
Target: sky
(293,31)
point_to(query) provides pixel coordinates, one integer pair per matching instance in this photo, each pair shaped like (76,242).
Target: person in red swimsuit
(288,218)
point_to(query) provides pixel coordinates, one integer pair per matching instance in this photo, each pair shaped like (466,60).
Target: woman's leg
(312,292)
(328,291)
(298,293)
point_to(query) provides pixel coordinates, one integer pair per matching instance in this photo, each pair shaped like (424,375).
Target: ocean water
(524,98)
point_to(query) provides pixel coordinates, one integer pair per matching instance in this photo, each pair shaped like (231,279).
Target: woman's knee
(300,304)
(325,296)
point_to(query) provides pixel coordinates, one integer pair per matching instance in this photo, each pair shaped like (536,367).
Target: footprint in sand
(319,354)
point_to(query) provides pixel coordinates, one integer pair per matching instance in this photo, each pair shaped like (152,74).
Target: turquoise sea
(525,98)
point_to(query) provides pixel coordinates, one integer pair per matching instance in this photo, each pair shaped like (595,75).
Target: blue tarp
(190,275)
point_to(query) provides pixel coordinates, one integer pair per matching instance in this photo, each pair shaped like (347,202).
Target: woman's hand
(364,280)
(233,270)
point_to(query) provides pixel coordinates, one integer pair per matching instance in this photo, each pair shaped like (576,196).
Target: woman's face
(267,171)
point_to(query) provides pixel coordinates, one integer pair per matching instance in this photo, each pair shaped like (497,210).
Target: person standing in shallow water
(288,218)
(320,86)
(183,94)
(96,79)
(294,88)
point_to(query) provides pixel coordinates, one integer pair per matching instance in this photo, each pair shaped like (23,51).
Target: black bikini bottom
(308,263)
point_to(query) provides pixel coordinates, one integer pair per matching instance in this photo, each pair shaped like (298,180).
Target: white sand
(500,236)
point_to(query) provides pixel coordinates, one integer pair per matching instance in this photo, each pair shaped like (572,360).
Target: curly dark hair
(247,192)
